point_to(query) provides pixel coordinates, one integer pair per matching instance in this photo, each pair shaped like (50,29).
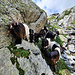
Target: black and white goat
(48,34)
(54,55)
(19,31)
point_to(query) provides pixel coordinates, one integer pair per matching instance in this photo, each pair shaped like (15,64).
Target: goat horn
(12,19)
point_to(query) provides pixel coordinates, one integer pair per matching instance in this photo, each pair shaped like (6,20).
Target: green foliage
(20,52)
(52,17)
(67,12)
(39,43)
(64,72)
(64,35)
(51,28)
(14,60)
(74,22)
(69,27)
(60,18)
(58,40)
(62,66)
(56,26)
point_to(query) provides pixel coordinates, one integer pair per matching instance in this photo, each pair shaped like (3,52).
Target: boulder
(63,38)
(10,64)
(24,11)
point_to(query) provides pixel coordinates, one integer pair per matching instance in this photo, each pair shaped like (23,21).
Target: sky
(54,6)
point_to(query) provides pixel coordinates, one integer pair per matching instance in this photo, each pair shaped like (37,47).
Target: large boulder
(10,64)
(24,11)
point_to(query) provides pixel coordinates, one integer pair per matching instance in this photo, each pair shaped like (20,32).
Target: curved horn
(12,19)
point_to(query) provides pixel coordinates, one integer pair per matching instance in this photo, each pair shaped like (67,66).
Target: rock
(10,64)
(24,11)
(71,47)
(35,65)
(63,38)
(60,31)
(6,67)
(5,40)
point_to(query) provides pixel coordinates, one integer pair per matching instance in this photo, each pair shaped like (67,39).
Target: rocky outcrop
(24,11)
(5,40)
(33,65)
(65,24)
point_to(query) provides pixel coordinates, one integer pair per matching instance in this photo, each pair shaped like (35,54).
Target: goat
(17,31)
(52,57)
(31,33)
(48,34)
(48,43)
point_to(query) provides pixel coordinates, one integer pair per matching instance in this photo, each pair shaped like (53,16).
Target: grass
(20,52)
(56,26)
(74,22)
(64,35)
(52,17)
(58,40)
(39,43)
(67,12)
(69,27)
(52,28)
(62,67)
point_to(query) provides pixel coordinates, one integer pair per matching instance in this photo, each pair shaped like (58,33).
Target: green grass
(61,66)
(64,35)
(39,43)
(74,22)
(52,17)
(56,26)
(20,52)
(67,12)
(58,40)
(51,29)
(69,27)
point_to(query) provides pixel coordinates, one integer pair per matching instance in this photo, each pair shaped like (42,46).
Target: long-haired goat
(18,31)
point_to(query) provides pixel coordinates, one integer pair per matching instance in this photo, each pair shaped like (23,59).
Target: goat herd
(21,31)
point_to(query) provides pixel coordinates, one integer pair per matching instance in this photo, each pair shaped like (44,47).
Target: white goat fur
(27,31)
